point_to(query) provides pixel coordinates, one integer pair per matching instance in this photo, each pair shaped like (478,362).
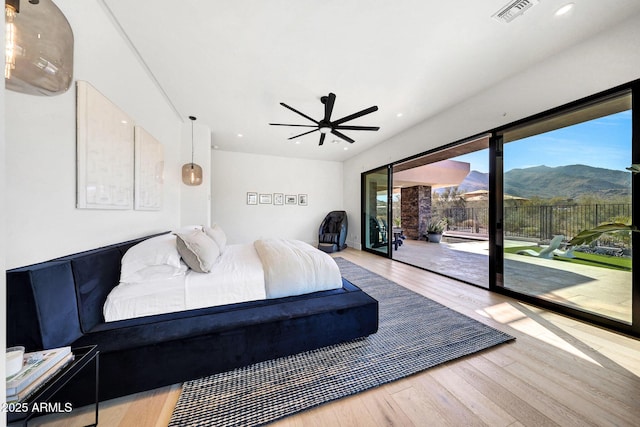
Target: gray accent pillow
(197,250)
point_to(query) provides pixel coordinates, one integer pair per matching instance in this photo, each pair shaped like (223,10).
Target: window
(563,175)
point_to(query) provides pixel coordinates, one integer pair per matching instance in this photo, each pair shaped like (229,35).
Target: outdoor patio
(594,289)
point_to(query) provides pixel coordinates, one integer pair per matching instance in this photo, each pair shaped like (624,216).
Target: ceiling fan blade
(342,136)
(344,127)
(328,106)
(302,134)
(355,115)
(296,111)
(284,124)
(322,135)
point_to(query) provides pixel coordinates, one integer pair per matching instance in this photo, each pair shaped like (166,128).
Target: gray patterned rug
(415,333)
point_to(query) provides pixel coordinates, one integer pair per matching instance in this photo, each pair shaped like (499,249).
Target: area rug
(415,333)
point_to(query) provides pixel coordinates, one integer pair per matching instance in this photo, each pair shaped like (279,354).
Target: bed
(190,269)
(146,343)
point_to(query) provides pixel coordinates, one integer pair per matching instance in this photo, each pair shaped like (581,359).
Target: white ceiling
(230,63)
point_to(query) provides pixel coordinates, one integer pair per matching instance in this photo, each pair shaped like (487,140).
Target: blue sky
(603,142)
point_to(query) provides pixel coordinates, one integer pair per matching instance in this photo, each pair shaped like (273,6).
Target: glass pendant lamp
(191,172)
(38,48)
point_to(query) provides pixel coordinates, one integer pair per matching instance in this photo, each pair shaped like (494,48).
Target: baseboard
(354,245)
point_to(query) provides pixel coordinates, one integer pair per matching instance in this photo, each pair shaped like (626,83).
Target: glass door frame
(496,238)
(363,208)
(496,248)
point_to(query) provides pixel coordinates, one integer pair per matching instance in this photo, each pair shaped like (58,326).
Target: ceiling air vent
(513,9)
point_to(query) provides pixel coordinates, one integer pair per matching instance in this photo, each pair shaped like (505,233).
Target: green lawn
(612,262)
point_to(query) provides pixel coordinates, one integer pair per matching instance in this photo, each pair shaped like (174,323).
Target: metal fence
(467,220)
(534,222)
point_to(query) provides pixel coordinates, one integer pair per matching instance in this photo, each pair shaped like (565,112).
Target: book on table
(41,380)
(36,367)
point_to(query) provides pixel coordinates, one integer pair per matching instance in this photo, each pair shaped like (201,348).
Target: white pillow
(155,273)
(217,235)
(156,251)
(198,250)
(185,229)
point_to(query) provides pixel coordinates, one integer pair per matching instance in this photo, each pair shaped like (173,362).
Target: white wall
(605,61)
(41,218)
(235,174)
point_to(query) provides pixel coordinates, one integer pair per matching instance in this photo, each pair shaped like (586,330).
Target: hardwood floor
(559,371)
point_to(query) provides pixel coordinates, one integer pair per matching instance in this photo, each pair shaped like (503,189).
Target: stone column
(415,203)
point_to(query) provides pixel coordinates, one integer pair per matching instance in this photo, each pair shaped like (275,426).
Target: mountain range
(569,182)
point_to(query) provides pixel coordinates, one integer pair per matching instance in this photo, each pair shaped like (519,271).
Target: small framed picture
(278,199)
(302,199)
(265,199)
(252,198)
(291,199)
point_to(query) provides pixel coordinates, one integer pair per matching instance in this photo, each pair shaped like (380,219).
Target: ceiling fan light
(326,125)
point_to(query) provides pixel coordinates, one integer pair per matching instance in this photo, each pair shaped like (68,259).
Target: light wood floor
(558,372)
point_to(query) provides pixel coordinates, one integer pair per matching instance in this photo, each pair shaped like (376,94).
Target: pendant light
(38,48)
(191,172)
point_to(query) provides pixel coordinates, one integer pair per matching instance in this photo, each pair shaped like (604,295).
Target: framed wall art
(266,199)
(104,152)
(278,199)
(149,169)
(302,199)
(252,198)
(291,199)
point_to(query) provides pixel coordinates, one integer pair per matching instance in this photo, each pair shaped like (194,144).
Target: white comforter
(292,267)
(238,275)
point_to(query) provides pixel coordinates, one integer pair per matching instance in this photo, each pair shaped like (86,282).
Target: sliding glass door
(562,177)
(376,231)
(448,188)
(552,222)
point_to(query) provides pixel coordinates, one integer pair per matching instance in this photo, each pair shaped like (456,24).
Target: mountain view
(475,181)
(570,182)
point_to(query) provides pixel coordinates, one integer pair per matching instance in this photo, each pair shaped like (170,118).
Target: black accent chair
(377,232)
(332,234)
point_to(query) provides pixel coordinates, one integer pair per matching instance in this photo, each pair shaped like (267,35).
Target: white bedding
(241,273)
(236,276)
(292,267)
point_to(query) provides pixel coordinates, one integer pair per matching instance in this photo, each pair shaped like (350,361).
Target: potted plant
(435,230)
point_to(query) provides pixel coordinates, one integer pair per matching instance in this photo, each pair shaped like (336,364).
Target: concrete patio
(594,289)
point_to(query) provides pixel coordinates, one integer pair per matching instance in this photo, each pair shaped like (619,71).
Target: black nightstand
(42,400)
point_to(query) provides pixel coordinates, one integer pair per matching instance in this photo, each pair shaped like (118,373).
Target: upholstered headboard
(53,303)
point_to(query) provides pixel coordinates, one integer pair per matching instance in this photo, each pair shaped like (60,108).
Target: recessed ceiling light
(297,142)
(399,115)
(565,9)
(346,148)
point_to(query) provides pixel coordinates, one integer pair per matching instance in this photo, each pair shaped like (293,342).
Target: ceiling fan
(325,125)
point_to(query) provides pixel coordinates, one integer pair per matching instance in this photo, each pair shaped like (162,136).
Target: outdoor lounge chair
(564,254)
(545,252)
